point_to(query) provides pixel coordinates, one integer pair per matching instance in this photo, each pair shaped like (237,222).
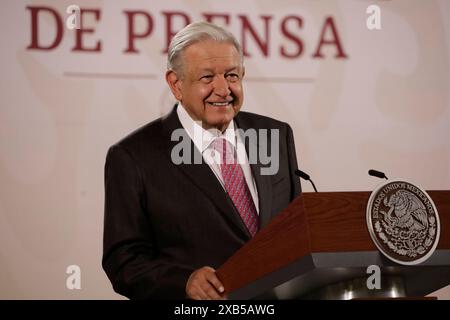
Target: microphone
(378,174)
(305,176)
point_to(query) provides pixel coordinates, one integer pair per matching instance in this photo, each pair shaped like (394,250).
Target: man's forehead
(215,65)
(212,49)
(211,56)
(207,61)
(212,62)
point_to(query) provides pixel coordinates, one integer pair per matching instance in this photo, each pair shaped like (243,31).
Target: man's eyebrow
(212,70)
(231,69)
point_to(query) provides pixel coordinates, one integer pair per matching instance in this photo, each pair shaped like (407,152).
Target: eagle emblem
(403,222)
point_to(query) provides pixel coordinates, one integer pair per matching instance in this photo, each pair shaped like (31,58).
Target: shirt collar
(203,138)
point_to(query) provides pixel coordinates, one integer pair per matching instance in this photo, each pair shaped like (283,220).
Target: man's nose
(221,86)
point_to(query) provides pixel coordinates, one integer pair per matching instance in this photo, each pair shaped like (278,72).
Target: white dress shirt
(203,142)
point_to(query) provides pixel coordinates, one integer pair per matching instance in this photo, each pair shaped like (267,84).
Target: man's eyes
(229,76)
(232,77)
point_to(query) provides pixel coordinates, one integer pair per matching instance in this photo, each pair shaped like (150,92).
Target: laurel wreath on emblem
(410,232)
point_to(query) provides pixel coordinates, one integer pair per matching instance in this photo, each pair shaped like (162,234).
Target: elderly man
(170,223)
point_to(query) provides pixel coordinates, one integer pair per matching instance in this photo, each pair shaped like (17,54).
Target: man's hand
(203,284)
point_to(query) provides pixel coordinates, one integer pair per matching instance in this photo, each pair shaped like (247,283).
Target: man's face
(210,86)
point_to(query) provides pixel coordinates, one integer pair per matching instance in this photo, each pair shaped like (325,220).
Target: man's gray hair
(193,33)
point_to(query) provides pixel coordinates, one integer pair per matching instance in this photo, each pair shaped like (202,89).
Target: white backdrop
(383,103)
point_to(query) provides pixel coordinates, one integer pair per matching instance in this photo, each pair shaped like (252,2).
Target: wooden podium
(321,240)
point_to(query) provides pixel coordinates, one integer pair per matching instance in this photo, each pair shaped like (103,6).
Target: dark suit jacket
(163,221)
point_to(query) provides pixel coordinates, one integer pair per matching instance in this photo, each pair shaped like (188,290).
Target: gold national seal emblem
(403,222)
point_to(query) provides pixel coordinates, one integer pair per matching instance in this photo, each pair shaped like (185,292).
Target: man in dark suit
(170,223)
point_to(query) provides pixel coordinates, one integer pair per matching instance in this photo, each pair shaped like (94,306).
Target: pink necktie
(236,186)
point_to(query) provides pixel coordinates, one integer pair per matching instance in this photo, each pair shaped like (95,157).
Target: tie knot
(225,150)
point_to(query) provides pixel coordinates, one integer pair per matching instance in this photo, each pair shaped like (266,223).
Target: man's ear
(174,84)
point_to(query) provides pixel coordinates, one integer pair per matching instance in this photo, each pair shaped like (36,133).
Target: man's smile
(223,103)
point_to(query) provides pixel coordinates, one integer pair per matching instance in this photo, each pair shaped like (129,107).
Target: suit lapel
(263,182)
(202,176)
